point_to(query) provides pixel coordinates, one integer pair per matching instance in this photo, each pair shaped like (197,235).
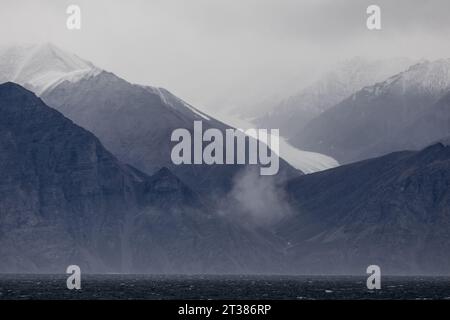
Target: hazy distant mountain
(384,117)
(293,113)
(392,211)
(134,122)
(67,200)
(432,125)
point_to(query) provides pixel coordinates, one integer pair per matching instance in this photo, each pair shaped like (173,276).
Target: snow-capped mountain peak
(429,75)
(425,77)
(58,77)
(347,77)
(39,67)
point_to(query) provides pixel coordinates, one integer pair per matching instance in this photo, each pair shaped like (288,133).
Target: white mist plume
(256,200)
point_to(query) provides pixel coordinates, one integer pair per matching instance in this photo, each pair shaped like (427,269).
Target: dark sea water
(13,286)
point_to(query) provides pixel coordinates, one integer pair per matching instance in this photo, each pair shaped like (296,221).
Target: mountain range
(86,178)
(407,111)
(134,122)
(67,200)
(292,114)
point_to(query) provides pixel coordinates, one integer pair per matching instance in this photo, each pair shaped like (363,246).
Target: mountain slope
(136,124)
(67,200)
(292,114)
(373,121)
(393,211)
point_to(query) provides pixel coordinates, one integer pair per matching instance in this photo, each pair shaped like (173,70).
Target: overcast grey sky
(219,53)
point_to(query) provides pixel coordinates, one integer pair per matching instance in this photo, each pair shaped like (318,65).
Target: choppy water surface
(220,287)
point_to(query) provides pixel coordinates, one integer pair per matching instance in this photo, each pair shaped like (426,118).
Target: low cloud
(256,200)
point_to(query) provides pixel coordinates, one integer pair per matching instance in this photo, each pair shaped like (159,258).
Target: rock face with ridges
(393,211)
(66,200)
(60,188)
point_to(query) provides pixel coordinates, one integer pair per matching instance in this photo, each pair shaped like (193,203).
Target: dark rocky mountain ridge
(393,211)
(66,200)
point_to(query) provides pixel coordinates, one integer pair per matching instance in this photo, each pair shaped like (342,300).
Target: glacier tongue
(307,162)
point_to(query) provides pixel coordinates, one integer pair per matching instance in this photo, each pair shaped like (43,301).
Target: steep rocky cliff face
(62,192)
(66,200)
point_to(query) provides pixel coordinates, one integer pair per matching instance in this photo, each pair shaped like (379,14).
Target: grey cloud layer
(217,53)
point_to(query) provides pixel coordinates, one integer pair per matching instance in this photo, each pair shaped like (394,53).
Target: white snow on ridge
(51,81)
(330,88)
(175,102)
(40,67)
(431,77)
(198,112)
(43,67)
